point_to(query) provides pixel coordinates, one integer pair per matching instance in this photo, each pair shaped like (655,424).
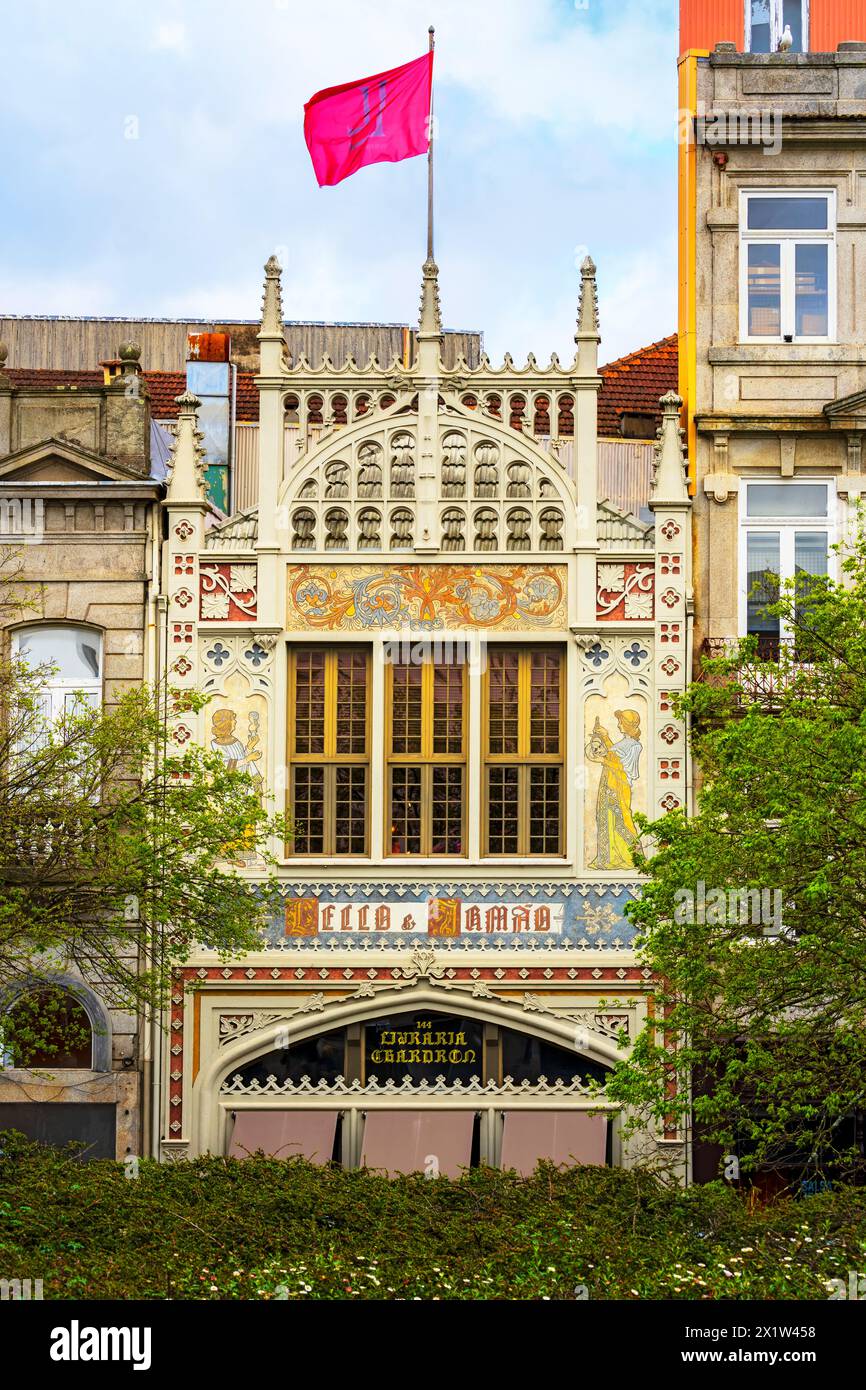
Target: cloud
(556,131)
(171,34)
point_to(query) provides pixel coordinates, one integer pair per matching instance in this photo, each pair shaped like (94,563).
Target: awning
(285,1133)
(415,1141)
(562,1136)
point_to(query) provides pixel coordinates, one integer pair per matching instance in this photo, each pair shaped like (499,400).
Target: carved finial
(186,484)
(587,336)
(587,318)
(430,320)
(272,303)
(670,485)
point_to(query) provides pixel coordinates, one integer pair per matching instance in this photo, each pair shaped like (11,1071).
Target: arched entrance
(414,1080)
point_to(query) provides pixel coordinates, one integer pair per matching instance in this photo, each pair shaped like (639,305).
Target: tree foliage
(766,1017)
(119,850)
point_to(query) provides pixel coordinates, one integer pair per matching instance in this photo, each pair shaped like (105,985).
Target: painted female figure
(620,762)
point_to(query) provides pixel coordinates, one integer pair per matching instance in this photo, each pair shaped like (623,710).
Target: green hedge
(218,1228)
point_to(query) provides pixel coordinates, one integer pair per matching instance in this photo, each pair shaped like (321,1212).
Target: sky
(154,158)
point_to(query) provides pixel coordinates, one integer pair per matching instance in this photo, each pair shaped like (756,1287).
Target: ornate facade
(453,669)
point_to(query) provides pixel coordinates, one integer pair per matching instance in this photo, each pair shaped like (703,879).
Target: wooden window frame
(426,760)
(776,25)
(524,760)
(330,759)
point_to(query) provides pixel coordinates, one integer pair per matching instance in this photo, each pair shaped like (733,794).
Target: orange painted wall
(704,23)
(834,22)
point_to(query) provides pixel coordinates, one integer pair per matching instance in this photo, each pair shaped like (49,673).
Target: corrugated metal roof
(79,344)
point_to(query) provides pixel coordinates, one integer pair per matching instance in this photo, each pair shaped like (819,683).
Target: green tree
(119,851)
(761,1007)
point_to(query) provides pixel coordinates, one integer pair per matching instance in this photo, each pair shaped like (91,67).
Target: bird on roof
(786,40)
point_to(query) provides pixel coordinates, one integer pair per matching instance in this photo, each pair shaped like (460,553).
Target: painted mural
(427,597)
(236,729)
(615,751)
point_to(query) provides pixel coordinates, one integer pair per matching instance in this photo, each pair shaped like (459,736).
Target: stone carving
(453,529)
(519,522)
(227,591)
(454,466)
(401,529)
(336,528)
(518,479)
(624,591)
(337,479)
(369,529)
(402,465)
(303,529)
(370,470)
(486,470)
(550,524)
(485,529)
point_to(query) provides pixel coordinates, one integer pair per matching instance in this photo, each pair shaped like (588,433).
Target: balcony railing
(773,672)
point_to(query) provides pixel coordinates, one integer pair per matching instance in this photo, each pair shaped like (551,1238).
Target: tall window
(329,749)
(426,757)
(74,655)
(523,751)
(787,534)
(787,266)
(766,21)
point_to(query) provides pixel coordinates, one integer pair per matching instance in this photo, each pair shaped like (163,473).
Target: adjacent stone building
(79,531)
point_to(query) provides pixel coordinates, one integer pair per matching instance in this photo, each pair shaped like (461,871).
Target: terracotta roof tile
(164,387)
(634,383)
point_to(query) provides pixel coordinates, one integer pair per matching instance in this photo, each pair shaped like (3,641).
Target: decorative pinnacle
(587,316)
(272,302)
(430,320)
(669,484)
(186,480)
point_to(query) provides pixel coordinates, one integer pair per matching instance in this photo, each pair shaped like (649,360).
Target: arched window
(71,658)
(47,1028)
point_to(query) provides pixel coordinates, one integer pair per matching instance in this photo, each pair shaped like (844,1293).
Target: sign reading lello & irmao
(435,917)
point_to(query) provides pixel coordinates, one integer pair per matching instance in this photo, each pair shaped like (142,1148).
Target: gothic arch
(497,489)
(549,1027)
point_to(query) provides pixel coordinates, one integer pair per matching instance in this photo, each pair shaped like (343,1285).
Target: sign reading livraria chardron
(412,1045)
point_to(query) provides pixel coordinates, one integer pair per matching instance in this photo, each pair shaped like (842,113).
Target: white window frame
(788,241)
(776,25)
(56,690)
(786,527)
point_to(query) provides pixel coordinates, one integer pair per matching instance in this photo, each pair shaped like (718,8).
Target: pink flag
(384,117)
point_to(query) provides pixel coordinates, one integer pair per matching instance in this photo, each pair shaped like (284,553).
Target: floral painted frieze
(227,592)
(427,597)
(624,591)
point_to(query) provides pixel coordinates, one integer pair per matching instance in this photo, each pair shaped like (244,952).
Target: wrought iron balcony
(761,679)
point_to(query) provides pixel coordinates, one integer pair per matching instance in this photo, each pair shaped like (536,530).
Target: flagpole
(431,32)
